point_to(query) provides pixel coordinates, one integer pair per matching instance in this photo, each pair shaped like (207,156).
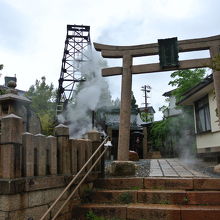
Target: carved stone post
(125,112)
(63,144)
(28,154)
(52,148)
(11,149)
(74,158)
(40,146)
(94,136)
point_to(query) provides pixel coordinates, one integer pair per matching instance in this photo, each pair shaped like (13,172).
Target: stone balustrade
(27,155)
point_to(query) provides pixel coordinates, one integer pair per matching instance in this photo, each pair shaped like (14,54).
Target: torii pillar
(125,110)
(128,52)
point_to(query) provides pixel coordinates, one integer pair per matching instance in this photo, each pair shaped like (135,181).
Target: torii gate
(128,52)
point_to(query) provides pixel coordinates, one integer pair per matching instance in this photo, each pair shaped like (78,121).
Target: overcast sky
(32,35)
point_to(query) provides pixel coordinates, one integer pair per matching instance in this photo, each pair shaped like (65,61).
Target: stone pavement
(172,168)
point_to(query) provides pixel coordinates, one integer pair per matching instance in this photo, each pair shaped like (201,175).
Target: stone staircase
(154,199)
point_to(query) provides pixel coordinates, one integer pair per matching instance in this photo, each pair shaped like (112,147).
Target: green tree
(43,103)
(1,66)
(184,80)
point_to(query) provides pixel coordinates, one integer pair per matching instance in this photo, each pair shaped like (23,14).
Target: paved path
(172,168)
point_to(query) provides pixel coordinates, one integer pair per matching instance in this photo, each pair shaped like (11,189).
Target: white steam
(91,95)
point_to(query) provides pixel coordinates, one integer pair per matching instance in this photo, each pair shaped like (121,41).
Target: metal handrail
(72,181)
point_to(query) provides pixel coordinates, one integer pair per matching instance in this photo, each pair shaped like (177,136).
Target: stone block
(200,212)
(12,129)
(3,215)
(203,198)
(162,197)
(52,149)
(88,152)
(108,211)
(168,183)
(66,209)
(114,196)
(13,202)
(35,213)
(206,183)
(12,186)
(65,216)
(40,146)
(64,152)
(61,130)
(28,154)
(122,168)
(46,182)
(52,194)
(11,161)
(81,147)
(133,156)
(36,198)
(94,135)
(73,150)
(119,183)
(153,212)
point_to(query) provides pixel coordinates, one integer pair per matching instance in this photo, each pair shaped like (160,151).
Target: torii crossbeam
(128,52)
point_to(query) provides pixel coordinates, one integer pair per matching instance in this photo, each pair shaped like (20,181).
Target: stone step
(149,211)
(147,196)
(159,183)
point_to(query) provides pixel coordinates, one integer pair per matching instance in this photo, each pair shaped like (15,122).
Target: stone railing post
(28,154)
(40,145)
(63,145)
(73,150)
(81,154)
(89,152)
(52,150)
(11,146)
(95,137)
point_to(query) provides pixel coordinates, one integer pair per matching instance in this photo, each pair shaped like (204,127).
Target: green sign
(168,52)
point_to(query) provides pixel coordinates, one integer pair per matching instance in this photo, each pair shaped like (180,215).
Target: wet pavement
(173,168)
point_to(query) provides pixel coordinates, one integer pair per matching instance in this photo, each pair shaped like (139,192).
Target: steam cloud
(91,95)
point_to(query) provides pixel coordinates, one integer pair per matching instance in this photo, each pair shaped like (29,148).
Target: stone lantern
(12,103)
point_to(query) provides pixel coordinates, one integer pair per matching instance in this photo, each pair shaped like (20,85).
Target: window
(203,122)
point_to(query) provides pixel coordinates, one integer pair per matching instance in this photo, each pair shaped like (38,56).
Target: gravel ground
(143,168)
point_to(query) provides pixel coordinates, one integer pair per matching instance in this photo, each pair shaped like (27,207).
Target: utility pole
(146,89)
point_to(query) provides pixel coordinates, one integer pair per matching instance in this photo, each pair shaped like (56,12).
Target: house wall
(210,141)
(172,108)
